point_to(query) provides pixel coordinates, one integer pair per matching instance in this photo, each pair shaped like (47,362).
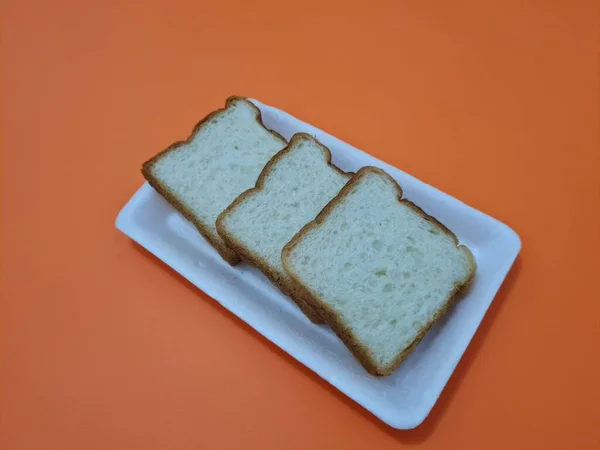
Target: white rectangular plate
(402,400)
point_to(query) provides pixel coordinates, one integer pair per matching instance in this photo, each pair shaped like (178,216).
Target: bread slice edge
(226,253)
(333,319)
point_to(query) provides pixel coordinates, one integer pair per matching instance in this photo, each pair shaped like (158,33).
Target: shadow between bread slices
(323,235)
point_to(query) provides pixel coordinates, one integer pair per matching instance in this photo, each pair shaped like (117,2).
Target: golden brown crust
(228,254)
(334,320)
(287,288)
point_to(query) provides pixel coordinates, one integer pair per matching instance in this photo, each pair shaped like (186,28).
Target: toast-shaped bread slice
(378,269)
(292,189)
(221,159)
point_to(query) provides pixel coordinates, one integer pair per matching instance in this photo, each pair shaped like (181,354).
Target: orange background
(103,347)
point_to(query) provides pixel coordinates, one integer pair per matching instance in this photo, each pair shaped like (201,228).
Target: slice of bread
(378,269)
(221,159)
(291,190)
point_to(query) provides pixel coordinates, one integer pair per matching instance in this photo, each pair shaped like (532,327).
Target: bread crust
(227,253)
(290,289)
(335,321)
